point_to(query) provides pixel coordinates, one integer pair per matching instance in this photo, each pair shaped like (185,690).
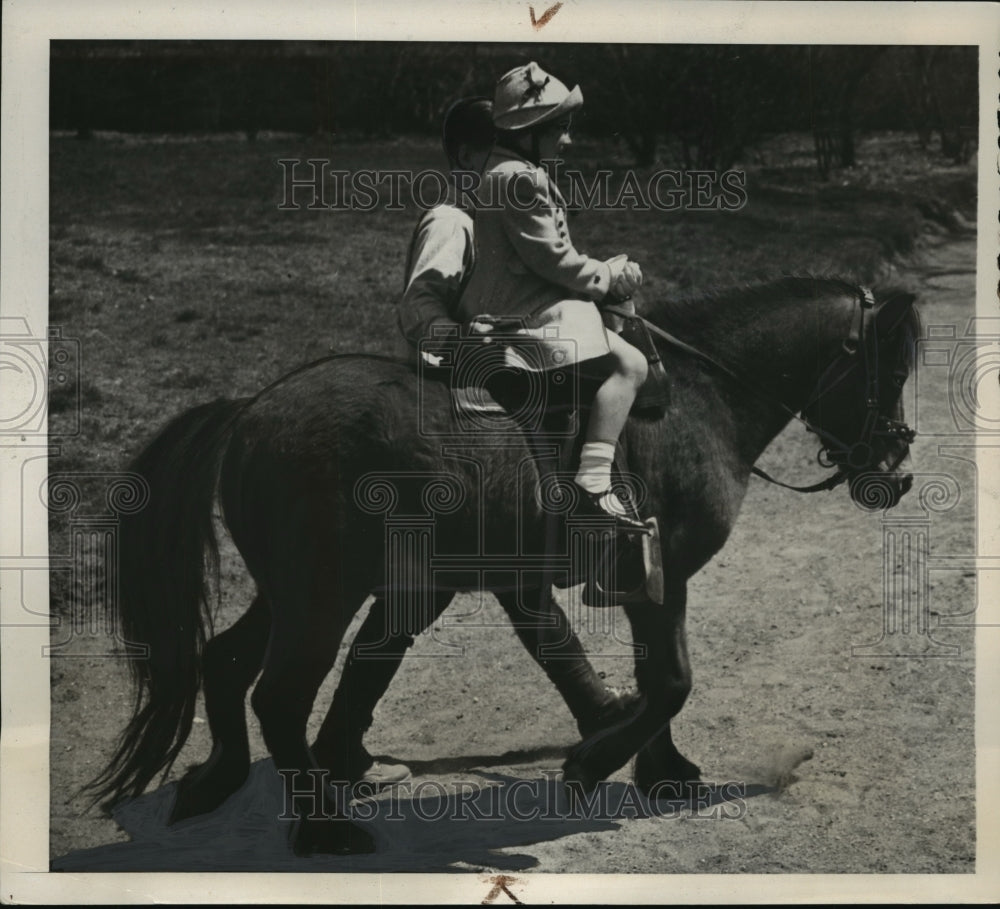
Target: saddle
(470,395)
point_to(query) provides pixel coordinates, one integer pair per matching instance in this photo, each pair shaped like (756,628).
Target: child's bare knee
(630,362)
(634,365)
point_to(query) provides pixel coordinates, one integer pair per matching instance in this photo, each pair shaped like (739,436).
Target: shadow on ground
(421,825)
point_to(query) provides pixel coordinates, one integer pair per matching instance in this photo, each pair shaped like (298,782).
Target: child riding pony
(527,269)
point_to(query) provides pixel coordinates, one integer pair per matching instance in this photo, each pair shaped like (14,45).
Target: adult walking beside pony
(439,263)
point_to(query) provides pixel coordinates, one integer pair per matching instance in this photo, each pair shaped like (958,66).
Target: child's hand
(633,274)
(626,277)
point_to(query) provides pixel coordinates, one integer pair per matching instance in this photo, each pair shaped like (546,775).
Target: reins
(855,342)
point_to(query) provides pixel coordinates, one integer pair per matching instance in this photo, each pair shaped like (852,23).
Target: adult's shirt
(438,264)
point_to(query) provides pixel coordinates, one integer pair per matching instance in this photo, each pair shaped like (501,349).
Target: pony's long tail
(164,550)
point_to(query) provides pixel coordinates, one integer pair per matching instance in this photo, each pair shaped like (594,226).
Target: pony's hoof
(578,780)
(332,836)
(579,787)
(676,779)
(201,791)
(187,806)
(193,800)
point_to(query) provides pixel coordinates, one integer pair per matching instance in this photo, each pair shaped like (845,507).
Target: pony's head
(856,408)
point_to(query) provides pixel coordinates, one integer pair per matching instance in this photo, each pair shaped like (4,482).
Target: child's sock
(596,459)
(594,474)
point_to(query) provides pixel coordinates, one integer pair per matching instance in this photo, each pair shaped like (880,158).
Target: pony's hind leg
(230,663)
(301,652)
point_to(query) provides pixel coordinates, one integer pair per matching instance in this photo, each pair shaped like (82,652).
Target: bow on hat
(528,96)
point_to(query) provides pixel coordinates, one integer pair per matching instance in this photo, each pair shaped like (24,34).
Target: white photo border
(29,25)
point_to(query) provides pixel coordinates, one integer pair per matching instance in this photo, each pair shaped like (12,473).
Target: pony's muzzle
(877,491)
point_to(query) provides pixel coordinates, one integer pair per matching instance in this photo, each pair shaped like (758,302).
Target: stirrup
(598,592)
(590,505)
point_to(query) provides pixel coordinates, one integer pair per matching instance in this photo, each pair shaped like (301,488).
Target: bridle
(859,350)
(860,346)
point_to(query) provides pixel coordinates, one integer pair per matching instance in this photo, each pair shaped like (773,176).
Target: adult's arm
(440,256)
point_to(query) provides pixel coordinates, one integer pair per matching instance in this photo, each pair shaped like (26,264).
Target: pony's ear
(892,311)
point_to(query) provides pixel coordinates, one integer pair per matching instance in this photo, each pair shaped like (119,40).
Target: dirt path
(837,760)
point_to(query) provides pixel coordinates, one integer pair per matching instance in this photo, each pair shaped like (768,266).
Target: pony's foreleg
(374,658)
(663,674)
(668,686)
(546,634)
(230,663)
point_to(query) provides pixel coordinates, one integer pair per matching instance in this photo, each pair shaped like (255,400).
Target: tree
(947,98)
(833,77)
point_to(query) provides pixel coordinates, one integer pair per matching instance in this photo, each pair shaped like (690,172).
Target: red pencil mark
(500,883)
(548,14)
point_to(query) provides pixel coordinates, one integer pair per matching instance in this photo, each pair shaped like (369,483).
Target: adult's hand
(481,326)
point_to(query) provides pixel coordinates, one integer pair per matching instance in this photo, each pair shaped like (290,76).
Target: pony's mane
(721,308)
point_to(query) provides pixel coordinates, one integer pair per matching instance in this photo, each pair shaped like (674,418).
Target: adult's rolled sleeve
(440,257)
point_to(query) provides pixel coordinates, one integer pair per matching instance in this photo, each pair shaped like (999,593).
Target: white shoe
(381,775)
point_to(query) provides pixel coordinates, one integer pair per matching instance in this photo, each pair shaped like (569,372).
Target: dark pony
(313,471)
